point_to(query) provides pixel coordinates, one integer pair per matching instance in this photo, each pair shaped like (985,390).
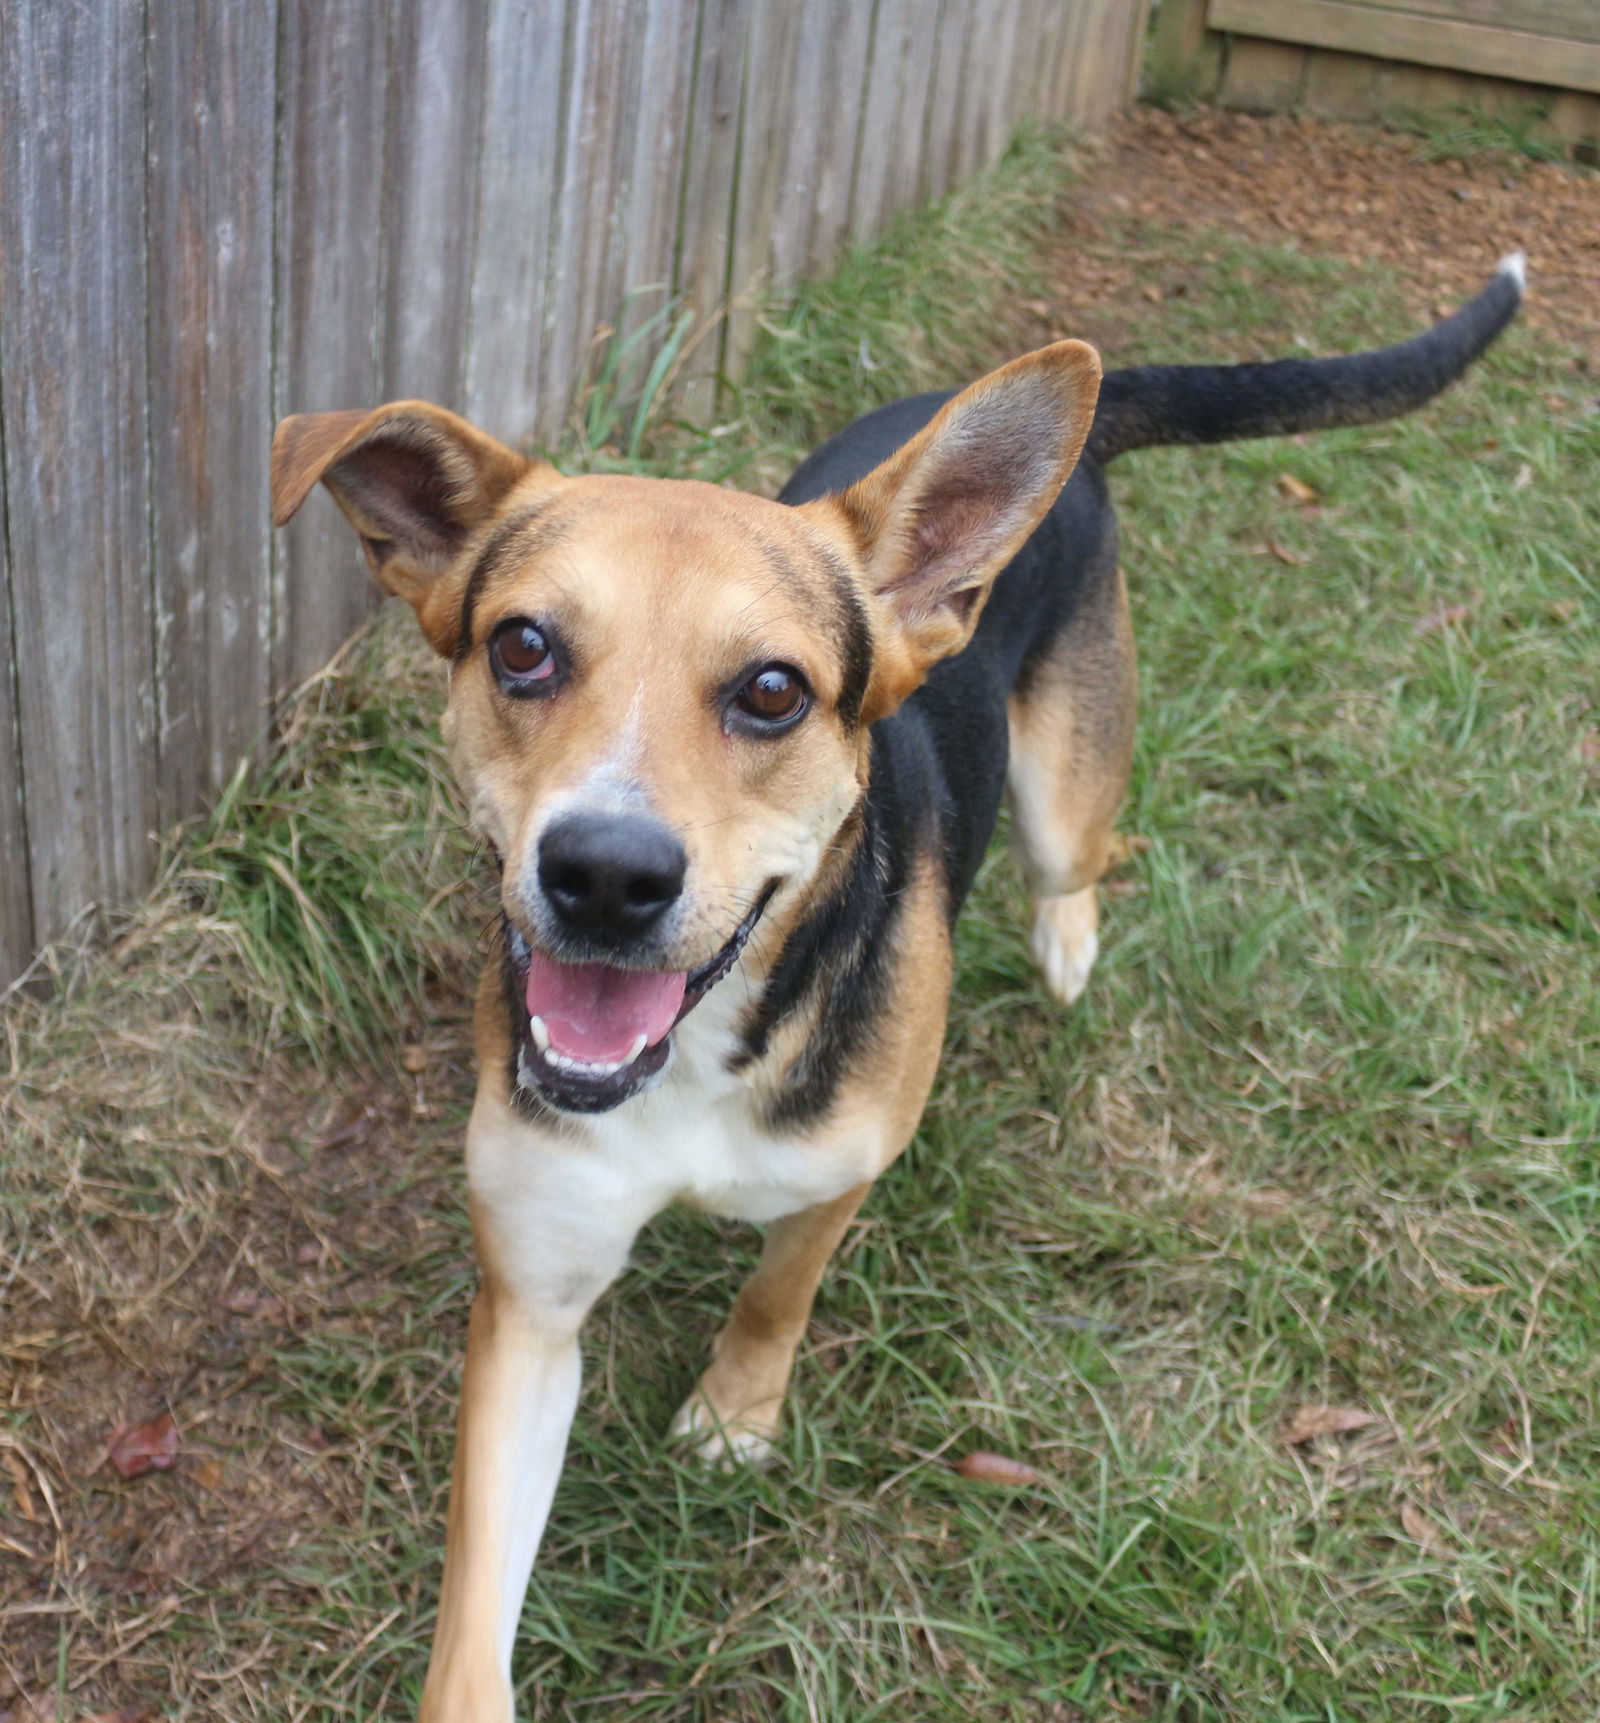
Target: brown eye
(520,653)
(773,695)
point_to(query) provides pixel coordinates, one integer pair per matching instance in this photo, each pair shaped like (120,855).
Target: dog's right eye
(521,656)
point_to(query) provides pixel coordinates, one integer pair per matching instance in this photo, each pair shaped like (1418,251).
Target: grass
(1325,1131)
(1461,132)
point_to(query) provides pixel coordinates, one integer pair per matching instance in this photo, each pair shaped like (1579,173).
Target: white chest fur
(559,1211)
(699,1139)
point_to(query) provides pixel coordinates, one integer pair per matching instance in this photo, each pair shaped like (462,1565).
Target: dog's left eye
(776,694)
(520,654)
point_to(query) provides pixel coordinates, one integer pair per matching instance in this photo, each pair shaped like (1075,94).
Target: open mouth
(593,1034)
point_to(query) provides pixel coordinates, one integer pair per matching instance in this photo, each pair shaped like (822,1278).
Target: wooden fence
(1536,63)
(214,214)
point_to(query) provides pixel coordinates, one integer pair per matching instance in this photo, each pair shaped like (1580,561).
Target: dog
(739,761)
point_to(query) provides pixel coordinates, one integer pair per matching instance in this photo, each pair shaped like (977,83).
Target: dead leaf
(351,1124)
(1310,1421)
(415,1058)
(134,1449)
(1524,477)
(1268,1200)
(265,1306)
(1444,618)
(984,1468)
(1292,558)
(1296,490)
(1422,1530)
(208,1475)
(26,1506)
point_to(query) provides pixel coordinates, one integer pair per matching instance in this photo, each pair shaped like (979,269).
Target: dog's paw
(740,1441)
(1066,942)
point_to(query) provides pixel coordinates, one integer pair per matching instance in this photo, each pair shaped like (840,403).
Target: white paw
(728,1445)
(1066,943)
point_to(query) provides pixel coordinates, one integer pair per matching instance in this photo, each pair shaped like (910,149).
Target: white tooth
(637,1049)
(541,1035)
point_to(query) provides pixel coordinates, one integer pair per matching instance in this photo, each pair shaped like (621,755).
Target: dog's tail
(1155,404)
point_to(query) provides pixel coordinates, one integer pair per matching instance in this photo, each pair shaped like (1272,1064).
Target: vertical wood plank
(72,320)
(212,126)
(16,907)
(997,121)
(835,126)
(521,103)
(903,145)
(966,117)
(659,139)
(333,84)
(944,98)
(808,108)
(1083,67)
(623,115)
(764,218)
(585,211)
(431,194)
(1029,63)
(1069,38)
(709,208)
(880,108)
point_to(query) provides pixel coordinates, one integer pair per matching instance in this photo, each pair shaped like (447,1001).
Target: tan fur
(1071,750)
(737,1402)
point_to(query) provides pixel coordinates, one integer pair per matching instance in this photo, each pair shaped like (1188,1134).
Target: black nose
(613,873)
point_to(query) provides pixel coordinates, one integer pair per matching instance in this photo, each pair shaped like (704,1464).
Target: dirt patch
(1344,191)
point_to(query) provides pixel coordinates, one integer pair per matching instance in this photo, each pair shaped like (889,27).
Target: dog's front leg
(519,1392)
(553,1223)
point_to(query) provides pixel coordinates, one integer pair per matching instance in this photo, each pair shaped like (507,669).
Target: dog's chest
(700,1138)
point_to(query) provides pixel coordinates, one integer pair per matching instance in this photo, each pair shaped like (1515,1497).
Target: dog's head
(661,690)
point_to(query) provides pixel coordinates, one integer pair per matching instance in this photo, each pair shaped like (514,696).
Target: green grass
(1326,1129)
(1460,132)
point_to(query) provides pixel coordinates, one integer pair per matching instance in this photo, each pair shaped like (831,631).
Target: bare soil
(1344,191)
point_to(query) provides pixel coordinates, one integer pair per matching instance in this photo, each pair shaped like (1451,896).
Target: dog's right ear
(416,483)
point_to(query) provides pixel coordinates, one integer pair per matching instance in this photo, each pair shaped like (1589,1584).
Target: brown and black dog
(739,761)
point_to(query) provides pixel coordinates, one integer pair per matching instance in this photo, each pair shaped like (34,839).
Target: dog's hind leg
(1071,742)
(734,1411)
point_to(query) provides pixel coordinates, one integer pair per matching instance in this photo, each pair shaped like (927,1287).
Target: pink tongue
(596,1013)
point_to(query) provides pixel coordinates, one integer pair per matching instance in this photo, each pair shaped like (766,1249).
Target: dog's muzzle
(591,1035)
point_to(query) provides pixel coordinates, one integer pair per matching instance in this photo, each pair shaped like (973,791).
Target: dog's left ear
(942,516)
(415,481)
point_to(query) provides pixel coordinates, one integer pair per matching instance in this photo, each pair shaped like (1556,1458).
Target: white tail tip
(1515,263)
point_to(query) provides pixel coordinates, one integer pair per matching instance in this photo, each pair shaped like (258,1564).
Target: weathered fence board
(211,215)
(211,137)
(1393,33)
(521,102)
(709,209)
(655,162)
(330,291)
(72,366)
(434,139)
(16,905)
